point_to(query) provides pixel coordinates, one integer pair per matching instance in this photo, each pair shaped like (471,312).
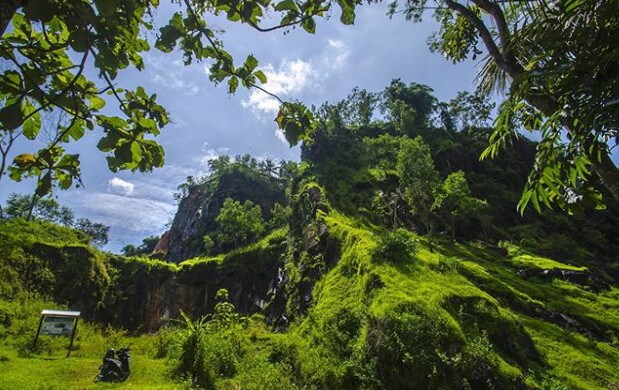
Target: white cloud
(172,75)
(119,186)
(279,134)
(211,154)
(155,189)
(173,80)
(291,78)
(137,215)
(340,54)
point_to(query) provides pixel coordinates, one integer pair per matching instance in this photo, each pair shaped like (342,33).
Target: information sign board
(57,326)
(58,323)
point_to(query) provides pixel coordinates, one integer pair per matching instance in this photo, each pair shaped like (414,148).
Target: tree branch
(289,24)
(512,69)
(504,33)
(51,101)
(220,55)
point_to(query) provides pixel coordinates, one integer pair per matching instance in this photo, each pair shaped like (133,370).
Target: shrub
(211,347)
(396,246)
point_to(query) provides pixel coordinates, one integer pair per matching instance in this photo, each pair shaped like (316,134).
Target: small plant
(208,244)
(192,364)
(446,264)
(395,246)
(212,345)
(114,337)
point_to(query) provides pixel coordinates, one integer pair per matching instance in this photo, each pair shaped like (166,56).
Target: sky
(208,122)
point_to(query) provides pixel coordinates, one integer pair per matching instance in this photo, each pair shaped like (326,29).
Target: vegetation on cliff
(390,257)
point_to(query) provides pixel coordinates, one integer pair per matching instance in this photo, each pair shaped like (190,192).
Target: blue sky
(207,122)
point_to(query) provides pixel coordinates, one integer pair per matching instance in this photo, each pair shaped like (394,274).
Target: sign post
(58,323)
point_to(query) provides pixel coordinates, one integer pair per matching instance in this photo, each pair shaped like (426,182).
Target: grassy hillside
(444,313)
(395,259)
(389,313)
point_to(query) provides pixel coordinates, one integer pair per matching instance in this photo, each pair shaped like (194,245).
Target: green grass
(474,292)
(58,372)
(47,367)
(428,319)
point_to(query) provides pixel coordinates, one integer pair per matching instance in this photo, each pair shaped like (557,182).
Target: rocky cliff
(197,211)
(147,292)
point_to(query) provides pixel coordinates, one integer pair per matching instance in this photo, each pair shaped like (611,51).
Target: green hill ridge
(333,274)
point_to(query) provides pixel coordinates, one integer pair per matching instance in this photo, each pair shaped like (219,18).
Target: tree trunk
(605,168)
(32,204)
(7,10)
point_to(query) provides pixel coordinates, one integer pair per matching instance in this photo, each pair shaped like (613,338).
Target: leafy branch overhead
(557,62)
(52,46)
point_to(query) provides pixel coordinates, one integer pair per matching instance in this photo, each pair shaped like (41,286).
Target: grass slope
(458,317)
(469,299)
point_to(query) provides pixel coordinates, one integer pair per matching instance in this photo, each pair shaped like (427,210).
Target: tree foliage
(53,46)
(146,248)
(457,205)
(48,209)
(45,209)
(49,48)
(97,232)
(408,106)
(557,61)
(419,180)
(239,223)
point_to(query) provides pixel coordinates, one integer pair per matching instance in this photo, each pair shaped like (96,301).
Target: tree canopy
(557,61)
(239,223)
(47,208)
(49,47)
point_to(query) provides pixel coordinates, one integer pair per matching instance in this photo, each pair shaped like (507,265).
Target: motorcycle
(115,367)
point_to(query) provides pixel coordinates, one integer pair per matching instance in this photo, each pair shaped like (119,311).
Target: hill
(390,257)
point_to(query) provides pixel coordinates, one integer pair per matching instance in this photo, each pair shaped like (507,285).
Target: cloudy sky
(207,122)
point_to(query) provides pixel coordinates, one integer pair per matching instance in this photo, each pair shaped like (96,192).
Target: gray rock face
(144,297)
(197,211)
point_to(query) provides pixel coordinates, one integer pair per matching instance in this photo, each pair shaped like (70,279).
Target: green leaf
(233,84)
(136,152)
(32,125)
(286,5)
(44,185)
(295,120)
(10,82)
(79,41)
(96,103)
(260,76)
(309,25)
(11,115)
(167,40)
(535,202)
(25,160)
(106,7)
(348,11)
(233,16)
(43,10)
(77,130)
(123,153)
(250,63)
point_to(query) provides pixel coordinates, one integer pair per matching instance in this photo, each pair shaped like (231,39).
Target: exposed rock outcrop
(146,297)
(582,278)
(197,211)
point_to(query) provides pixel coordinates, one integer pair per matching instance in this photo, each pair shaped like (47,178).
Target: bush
(396,246)
(212,347)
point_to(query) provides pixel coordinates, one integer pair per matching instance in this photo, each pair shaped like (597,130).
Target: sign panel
(57,326)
